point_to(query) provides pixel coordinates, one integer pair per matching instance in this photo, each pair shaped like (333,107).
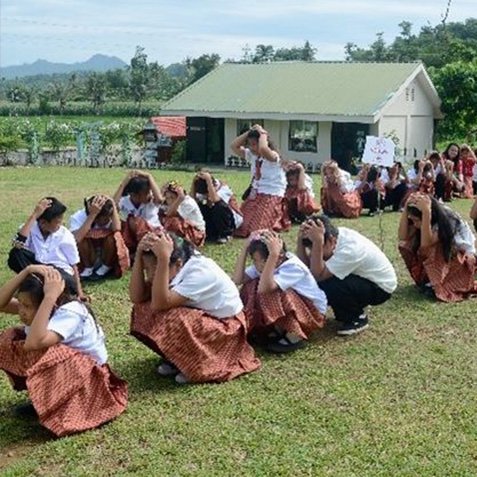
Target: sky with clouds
(68,31)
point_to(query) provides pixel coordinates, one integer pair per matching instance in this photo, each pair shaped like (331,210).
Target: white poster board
(379,151)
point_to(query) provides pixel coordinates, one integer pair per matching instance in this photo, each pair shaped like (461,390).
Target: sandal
(285,345)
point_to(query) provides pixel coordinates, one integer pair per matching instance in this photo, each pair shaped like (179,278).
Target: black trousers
(370,200)
(219,220)
(395,196)
(20,258)
(349,297)
(440,186)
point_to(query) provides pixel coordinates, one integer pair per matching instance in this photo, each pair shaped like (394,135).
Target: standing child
(138,198)
(265,204)
(97,230)
(299,193)
(468,163)
(181,214)
(188,310)
(438,249)
(338,193)
(59,356)
(282,300)
(218,206)
(43,239)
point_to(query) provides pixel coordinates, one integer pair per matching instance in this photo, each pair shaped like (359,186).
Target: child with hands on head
(61,347)
(188,310)
(43,239)
(438,248)
(180,214)
(283,302)
(97,230)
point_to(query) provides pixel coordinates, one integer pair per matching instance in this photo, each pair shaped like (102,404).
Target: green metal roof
(317,88)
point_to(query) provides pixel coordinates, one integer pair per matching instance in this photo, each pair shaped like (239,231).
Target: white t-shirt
(273,180)
(78,330)
(294,274)
(464,238)
(58,249)
(149,211)
(190,211)
(226,193)
(79,218)
(355,254)
(474,173)
(207,287)
(346,182)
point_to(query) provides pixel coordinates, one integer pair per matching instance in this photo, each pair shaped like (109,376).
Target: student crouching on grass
(59,356)
(438,248)
(97,230)
(282,300)
(188,310)
(218,206)
(181,215)
(43,239)
(138,198)
(350,269)
(264,205)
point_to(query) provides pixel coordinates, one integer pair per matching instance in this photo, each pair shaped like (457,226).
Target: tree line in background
(448,50)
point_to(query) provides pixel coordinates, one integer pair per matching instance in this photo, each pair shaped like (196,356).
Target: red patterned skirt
(264,211)
(300,202)
(202,347)
(451,281)
(134,229)
(286,310)
(121,264)
(184,229)
(68,389)
(335,202)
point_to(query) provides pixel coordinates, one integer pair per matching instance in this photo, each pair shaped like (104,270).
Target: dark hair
(106,210)
(373,174)
(330,229)
(33,285)
(254,134)
(137,185)
(201,185)
(447,223)
(446,151)
(258,245)
(416,164)
(183,250)
(292,173)
(434,155)
(55,210)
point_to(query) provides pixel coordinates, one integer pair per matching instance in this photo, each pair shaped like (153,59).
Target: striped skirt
(202,347)
(300,203)
(264,211)
(69,390)
(451,281)
(184,229)
(134,229)
(335,202)
(286,310)
(121,264)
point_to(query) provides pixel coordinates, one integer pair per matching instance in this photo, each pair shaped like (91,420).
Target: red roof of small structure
(172,126)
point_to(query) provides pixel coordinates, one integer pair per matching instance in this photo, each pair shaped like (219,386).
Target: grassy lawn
(397,400)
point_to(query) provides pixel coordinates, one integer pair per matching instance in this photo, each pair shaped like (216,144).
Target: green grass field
(397,400)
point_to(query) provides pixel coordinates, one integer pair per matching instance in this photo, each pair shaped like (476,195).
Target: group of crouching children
(185,307)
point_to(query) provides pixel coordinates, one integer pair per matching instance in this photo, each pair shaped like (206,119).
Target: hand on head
(273,242)
(41,207)
(97,204)
(314,231)
(53,283)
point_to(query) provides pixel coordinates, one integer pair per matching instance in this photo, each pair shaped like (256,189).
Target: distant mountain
(42,67)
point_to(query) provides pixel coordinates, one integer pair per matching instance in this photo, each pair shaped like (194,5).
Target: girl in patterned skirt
(60,348)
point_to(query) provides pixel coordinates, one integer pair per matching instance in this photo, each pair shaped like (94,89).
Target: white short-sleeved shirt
(226,193)
(294,274)
(474,173)
(412,174)
(149,211)
(355,254)
(464,238)
(207,287)
(190,211)
(346,182)
(58,249)
(78,330)
(79,218)
(273,180)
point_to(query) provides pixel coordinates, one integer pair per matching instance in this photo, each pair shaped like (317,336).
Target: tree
(263,54)
(138,76)
(199,67)
(96,90)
